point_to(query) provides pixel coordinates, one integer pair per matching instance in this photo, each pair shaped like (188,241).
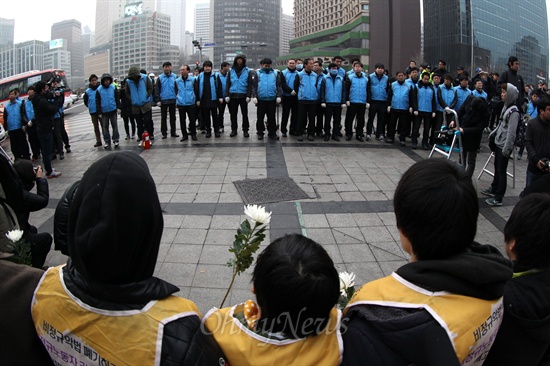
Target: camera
(545,164)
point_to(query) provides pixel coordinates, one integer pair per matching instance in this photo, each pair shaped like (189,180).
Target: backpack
(520,133)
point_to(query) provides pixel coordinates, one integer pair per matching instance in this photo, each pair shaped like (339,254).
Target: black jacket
(537,141)
(524,336)
(510,76)
(473,122)
(33,202)
(377,335)
(61,219)
(43,113)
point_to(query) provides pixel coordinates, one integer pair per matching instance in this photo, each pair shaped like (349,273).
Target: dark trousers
(46,147)
(190,111)
(57,136)
(290,108)
(424,118)
(18,144)
(210,117)
(164,109)
(378,109)
(110,118)
(436,126)
(32,136)
(129,120)
(500,179)
(469,161)
(334,112)
(306,117)
(40,246)
(355,110)
(144,122)
(96,123)
(234,104)
(397,116)
(319,119)
(221,112)
(266,107)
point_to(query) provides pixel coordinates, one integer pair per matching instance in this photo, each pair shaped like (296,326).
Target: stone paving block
(388,251)
(180,274)
(167,188)
(321,236)
(213,178)
(183,197)
(348,236)
(231,222)
(163,250)
(212,276)
(165,197)
(327,197)
(315,221)
(190,236)
(388,218)
(367,219)
(220,236)
(374,196)
(389,267)
(207,197)
(216,254)
(356,253)
(168,235)
(375,234)
(334,253)
(365,272)
(206,298)
(352,196)
(230,198)
(341,220)
(183,253)
(196,221)
(172,221)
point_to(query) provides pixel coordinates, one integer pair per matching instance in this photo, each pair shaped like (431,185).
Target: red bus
(24,80)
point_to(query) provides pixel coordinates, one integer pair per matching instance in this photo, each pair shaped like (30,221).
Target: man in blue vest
(357,96)
(140,88)
(208,93)
(290,100)
(238,92)
(266,94)
(424,110)
(185,100)
(164,91)
(378,99)
(462,91)
(333,99)
(15,117)
(89,101)
(399,107)
(107,102)
(222,76)
(306,83)
(31,127)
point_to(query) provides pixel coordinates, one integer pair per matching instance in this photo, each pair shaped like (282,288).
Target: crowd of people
(456,303)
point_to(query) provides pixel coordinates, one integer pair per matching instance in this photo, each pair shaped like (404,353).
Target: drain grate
(269,190)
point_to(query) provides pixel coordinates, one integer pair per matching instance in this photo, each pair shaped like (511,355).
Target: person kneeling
(295,321)
(445,307)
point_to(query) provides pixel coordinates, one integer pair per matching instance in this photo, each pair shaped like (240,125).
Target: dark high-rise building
(249,27)
(484,33)
(71,31)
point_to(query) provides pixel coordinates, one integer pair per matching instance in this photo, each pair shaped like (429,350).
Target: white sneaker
(368,137)
(54,174)
(140,143)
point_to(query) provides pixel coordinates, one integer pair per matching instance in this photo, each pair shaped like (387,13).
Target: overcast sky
(34,18)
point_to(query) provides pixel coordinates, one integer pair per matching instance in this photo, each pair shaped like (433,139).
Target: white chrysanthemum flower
(347,280)
(257,214)
(14,235)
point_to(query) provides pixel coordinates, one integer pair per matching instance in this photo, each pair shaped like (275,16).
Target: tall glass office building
(484,33)
(249,27)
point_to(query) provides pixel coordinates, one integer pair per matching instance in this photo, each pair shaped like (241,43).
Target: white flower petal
(14,235)
(257,214)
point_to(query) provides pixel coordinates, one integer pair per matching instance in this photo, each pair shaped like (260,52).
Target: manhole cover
(269,190)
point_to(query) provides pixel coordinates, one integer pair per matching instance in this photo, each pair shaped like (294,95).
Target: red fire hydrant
(146,141)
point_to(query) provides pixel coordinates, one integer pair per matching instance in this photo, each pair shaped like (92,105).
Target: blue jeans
(106,118)
(531,178)
(46,147)
(500,179)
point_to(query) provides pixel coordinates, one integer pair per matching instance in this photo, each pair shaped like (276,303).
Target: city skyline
(29,27)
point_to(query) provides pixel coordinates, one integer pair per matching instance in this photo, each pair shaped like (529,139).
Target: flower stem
(235,271)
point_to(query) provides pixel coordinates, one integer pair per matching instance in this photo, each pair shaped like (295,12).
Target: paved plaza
(349,211)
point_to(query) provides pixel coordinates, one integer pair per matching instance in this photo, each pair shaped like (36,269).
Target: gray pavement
(350,209)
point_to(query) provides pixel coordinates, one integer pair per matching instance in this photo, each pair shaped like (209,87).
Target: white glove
(348,103)
(388,109)
(410,110)
(29,124)
(447,109)
(278,100)
(227,99)
(198,104)
(433,115)
(343,106)
(293,93)
(254,100)
(415,113)
(323,105)
(220,100)
(368,105)
(247,99)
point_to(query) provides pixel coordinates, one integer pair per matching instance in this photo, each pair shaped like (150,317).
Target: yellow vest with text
(243,346)
(471,324)
(75,332)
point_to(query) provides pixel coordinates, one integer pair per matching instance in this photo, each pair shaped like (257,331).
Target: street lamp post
(198,45)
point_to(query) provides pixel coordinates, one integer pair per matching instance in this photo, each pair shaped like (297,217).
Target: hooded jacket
(505,133)
(524,336)
(114,249)
(107,98)
(473,122)
(240,81)
(394,336)
(139,91)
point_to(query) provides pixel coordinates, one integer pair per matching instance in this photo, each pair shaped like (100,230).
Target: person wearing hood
(89,101)
(424,110)
(511,76)
(524,336)
(266,94)
(504,137)
(107,102)
(139,90)
(445,306)
(165,92)
(208,96)
(290,100)
(105,304)
(238,90)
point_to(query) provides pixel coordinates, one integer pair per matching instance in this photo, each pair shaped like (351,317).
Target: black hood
(237,67)
(105,77)
(479,272)
(115,221)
